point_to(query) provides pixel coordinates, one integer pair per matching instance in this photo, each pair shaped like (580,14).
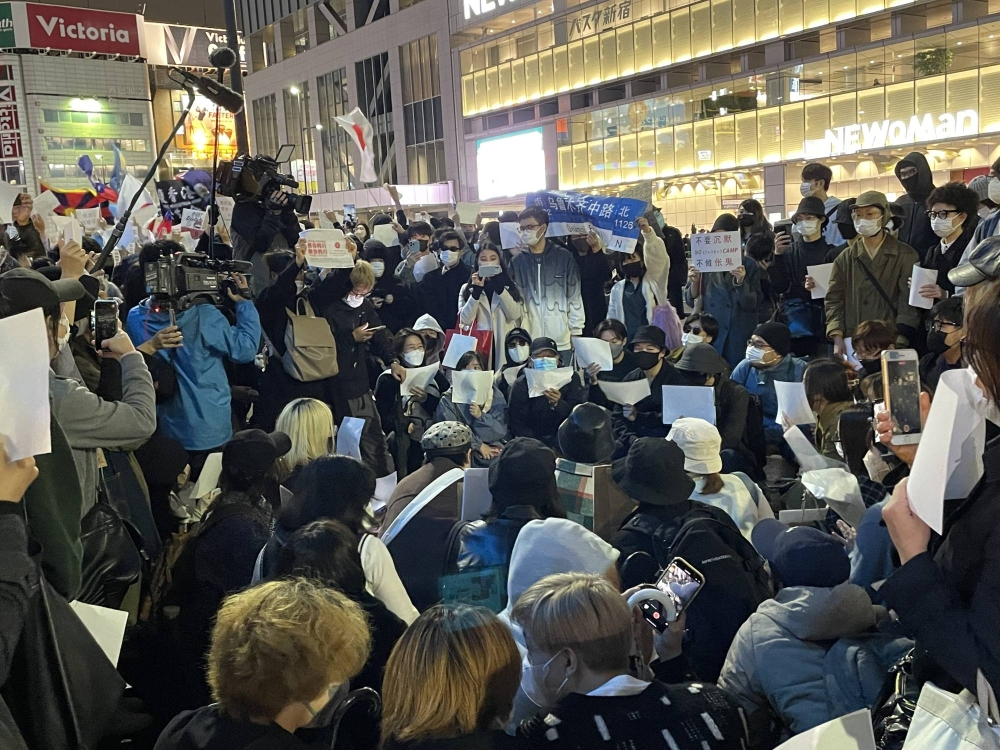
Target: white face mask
(984,212)
(876,465)
(943,227)
(529,237)
(533,683)
(755,355)
(354,300)
(807,227)
(993,191)
(63,339)
(806,189)
(414,358)
(451,257)
(867,227)
(689,339)
(378,267)
(518,354)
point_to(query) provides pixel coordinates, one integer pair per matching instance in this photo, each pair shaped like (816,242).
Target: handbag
(310,348)
(483,337)
(112,561)
(804,319)
(945,721)
(893,710)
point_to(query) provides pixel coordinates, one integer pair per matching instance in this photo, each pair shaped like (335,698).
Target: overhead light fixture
(294,90)
(84,105)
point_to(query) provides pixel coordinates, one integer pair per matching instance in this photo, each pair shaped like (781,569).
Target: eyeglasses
(938,325)
(529,228)
(942,214)
(759,343)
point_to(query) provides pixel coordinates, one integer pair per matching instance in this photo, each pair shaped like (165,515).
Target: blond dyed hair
(581,612)
(284,642)
(363,275)
(455,671)
(308,423)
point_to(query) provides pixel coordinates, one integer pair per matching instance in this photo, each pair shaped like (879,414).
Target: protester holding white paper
(828,395)
(490,301)
(945,591)
(922,278)
(953,210)
(539,417)
(486,416)
(645,419)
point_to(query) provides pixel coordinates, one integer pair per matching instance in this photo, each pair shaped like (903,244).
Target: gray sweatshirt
(91,422)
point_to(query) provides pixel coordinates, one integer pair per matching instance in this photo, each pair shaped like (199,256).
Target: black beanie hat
(776,335)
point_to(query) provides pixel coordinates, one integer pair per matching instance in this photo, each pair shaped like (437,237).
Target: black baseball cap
(801,555)
(983,264)
(23,289)
(251,453)
(542,344)
(654,473)
(649,335)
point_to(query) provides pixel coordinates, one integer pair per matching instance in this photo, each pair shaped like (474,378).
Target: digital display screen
(510,165)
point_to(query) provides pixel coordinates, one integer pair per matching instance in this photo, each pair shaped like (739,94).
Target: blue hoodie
(198,416)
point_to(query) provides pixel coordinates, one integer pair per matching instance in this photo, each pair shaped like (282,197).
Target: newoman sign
(474,8)
(871,136)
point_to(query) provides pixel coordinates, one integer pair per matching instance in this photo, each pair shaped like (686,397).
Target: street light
(318,127)
(294,90)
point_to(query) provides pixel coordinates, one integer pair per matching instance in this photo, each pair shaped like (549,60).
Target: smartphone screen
(901,379)
(681,581)
(104,320)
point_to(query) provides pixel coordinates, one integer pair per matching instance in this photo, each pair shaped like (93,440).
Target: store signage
(10,124)
(189,46)
(870,136)
(483,7)
(599,19)
(83,30)
(6,27)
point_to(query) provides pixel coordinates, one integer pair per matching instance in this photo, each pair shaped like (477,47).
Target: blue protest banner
(614,219)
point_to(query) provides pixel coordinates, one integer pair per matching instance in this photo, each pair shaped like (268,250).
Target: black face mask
(746,220)
(646,360)
(910,183)
(632,269)
(936,342)
(581,244)
(872,366)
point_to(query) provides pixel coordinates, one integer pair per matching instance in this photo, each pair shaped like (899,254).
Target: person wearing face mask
(816,179)
(944,341)
(871,338)
(394,302)
(595,273)
(980,185)
(417,259)
(269,680)
(944,591)
(437,291)
(539,417)
(549,281)
(645,419)
(952,210)
(752,220)
(516,350)
(829,394)
(790,279)
(488,421)
(490,301)
(580,635)
(632,299)
(768,358)
(871,278)
(623,363)
(990,224)
(914,174)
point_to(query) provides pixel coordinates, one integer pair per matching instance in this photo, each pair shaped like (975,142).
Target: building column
(774,189)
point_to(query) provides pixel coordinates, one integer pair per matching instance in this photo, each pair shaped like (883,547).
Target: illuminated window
(337,161)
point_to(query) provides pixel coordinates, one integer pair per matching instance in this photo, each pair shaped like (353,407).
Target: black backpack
(736,580)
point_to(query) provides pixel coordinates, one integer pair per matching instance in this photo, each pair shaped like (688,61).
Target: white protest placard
(73,230)
(476,495)
(226,205)
(508,234)
(327,248)
(144,215)
(417,377)
(325,222)
(45,204)
(540,381)
(793,402)
(628,393)
(947,464)
(805,452)
(88,217)
(590,350)
(458,346)
(851,357)
(107,626)
(349,437)
(821,275)
(385,234)
(850,732)
(24,386)
(192,220)
(922,277)
(468,213)
(716,251)
(208,479)
(384,487)
(8,194)
(681,401)
(471,386)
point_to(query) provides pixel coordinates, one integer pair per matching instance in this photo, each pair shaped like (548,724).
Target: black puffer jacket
(916,231)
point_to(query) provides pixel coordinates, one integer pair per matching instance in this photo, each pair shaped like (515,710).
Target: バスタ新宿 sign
(871,136)
(83,30)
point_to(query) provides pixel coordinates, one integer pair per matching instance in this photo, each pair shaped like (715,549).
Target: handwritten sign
(716,251)
(88,217)
(327,248)
(192,220)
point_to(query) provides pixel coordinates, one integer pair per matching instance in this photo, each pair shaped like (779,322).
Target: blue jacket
(760,382)
(198,416)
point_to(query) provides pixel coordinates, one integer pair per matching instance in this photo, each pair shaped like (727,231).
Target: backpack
(736,580)
(310,348)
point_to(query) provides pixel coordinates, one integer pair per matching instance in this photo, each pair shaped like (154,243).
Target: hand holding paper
(688,401)
(471,386)
(793,402)
(921,277)
(590,351)
(417,377)
(540,381)
(627,394)
(24,386)
(821,276)
(457,346)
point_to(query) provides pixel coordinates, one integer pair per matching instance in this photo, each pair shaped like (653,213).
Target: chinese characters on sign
(716,251)
(10,125)
(178,195)
(599,19)
(327,248)
(614,219)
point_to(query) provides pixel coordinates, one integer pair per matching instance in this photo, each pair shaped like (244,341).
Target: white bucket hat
(701,444)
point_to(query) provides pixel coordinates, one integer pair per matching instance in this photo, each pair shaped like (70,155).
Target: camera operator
(199,415)
(262,227)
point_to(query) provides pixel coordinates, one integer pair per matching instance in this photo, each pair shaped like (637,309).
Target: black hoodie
(916,231)
(209,728)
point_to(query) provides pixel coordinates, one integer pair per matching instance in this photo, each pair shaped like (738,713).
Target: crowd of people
(271,480)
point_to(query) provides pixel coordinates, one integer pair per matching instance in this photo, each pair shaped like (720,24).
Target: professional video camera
(248,178)
(184,279)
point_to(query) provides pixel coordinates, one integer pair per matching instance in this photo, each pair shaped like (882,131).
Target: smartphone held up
(901,384)
(680,581)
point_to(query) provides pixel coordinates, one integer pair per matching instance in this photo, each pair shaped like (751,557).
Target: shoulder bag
(310,348)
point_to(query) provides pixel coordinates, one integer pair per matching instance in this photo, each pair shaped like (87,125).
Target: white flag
(130,186)
(361,132)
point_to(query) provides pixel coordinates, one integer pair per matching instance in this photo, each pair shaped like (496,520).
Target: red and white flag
(361,132)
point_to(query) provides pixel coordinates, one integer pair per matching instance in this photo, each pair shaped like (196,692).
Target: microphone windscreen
(223,57)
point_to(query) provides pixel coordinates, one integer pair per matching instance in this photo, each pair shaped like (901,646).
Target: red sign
(82,30)
(10,136)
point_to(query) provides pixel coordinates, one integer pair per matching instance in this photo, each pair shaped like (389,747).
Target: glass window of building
(375,101)
(294,33)
(337,161)
(265,123)
(301,132)
(262,49)
(422,117)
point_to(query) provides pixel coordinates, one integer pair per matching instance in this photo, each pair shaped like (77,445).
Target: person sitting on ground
(579,635)
(517,348)
(488,421)
(777,661)
(308,423)
(871,338)
(539,417)
(280,652)
(944,340)
(645,419)
(699,328)
(825,381)
(450,683)
(587,436)
(623,363)
(768,359)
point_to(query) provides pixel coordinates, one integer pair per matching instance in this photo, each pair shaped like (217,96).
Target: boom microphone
(217,93)
(223,57)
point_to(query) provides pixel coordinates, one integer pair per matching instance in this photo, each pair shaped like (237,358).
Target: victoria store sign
(83,30)
(871,136)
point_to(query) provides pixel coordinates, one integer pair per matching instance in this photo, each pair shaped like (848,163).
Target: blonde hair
(455,671)
(284,642)
(309,425)
(581,612)
(363,274)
